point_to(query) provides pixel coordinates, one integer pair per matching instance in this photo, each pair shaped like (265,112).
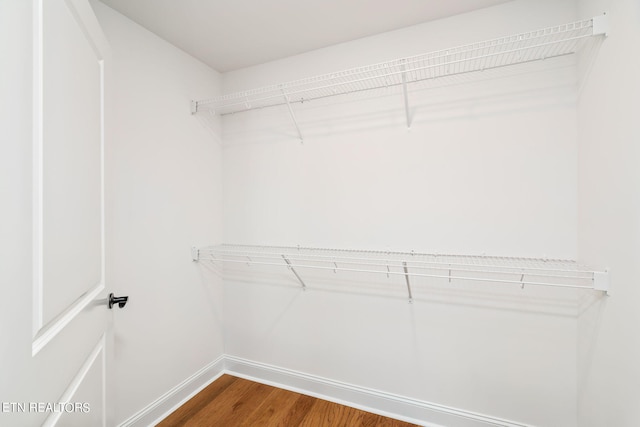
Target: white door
(61,379)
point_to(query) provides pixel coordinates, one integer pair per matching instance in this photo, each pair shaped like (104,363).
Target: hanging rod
(520,48)
(503,270)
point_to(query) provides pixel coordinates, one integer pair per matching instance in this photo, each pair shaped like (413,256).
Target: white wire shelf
(520,48)
(500,270)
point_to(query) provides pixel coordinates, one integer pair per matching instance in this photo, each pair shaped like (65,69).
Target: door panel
(71,161)
(69,232)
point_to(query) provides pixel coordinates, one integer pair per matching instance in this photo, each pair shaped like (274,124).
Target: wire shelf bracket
(601,281)
(406,96)
(406,277)
(538,45)
(293,270)
(600,25)
(293,116)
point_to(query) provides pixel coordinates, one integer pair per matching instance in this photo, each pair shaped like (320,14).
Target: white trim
(103,232)
(37,126)
(104,380)
(390,405)
(75,384)
(364,398)
(54,327)
(160,408)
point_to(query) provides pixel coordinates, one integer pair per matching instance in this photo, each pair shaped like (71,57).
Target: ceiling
(232,34)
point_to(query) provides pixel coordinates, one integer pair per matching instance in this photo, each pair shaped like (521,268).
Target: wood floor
(230,402)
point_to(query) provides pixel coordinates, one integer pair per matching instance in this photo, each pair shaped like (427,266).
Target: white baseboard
(174,398)
(387,404)
(370,400)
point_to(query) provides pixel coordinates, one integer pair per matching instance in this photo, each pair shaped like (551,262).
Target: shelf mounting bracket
(293,116)
(406,276)
(293,270)
(601,281)
(600,25)
(406,96)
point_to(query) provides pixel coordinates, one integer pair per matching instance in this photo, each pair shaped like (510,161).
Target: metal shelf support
(293,116)
(406,277)
(601,281)
(406,96)
(293,270)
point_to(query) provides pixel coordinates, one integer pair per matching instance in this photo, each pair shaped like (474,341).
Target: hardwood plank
(329,414)
(299,410)
(198,402)
(231,407)
(390,422)
(273,410)
(372,420)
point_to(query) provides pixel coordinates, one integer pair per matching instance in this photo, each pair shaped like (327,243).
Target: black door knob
(121,301)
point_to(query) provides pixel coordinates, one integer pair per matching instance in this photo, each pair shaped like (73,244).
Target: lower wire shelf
(500,270)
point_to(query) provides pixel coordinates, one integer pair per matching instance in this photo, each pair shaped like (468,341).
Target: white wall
(163,178)
(459,181)
(609,220)
(488,166)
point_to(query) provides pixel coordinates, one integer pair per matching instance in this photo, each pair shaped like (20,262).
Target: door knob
(121,301)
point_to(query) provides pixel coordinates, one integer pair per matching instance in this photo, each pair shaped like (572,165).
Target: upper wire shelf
(520,48)
(501,270)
